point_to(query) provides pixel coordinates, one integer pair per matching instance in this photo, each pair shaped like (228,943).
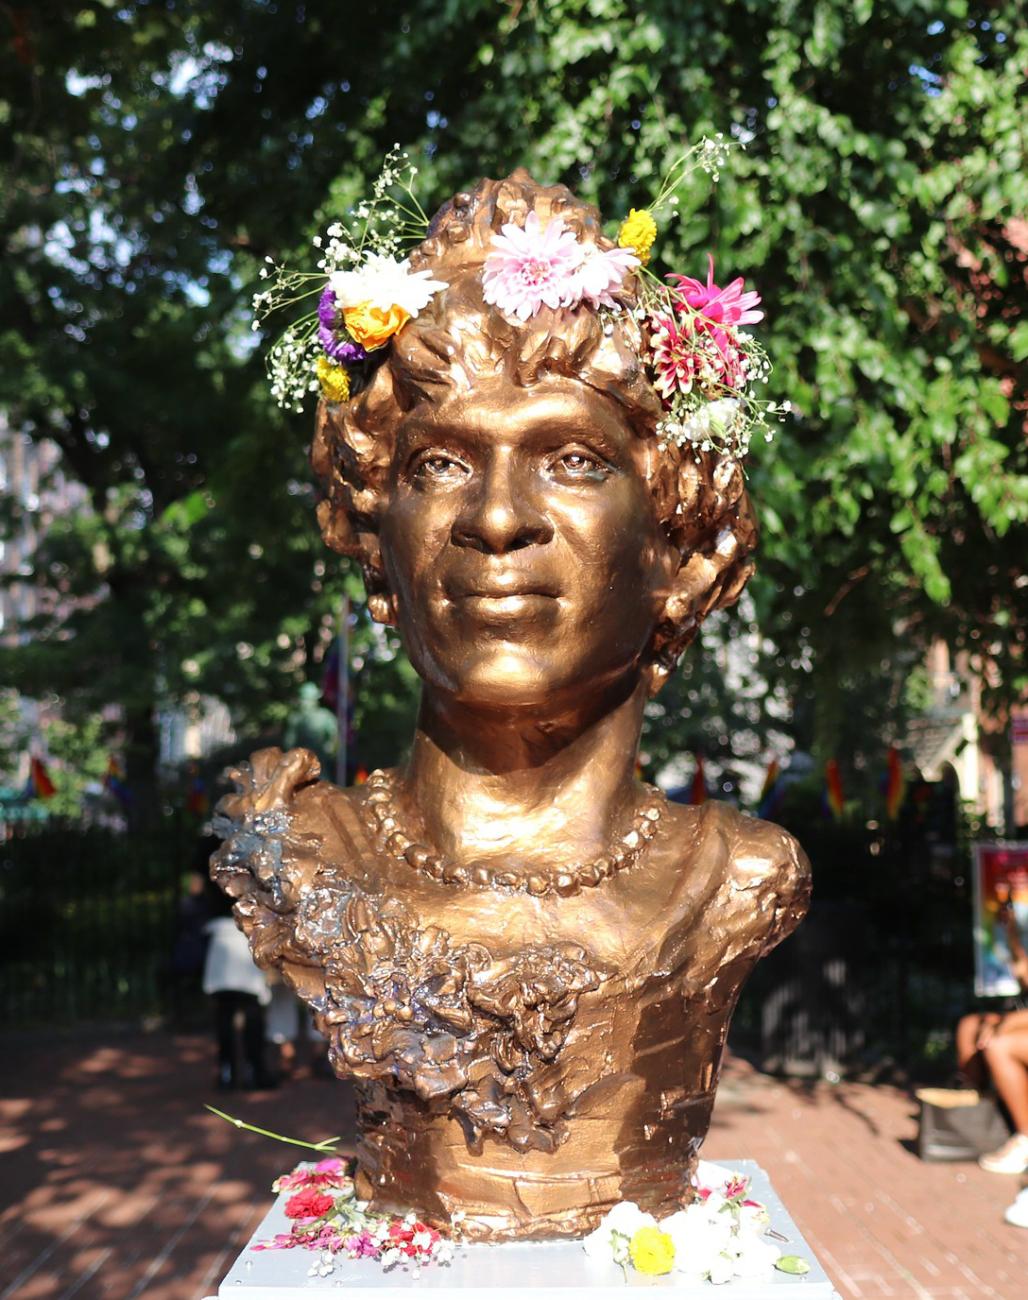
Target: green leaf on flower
(794,1264)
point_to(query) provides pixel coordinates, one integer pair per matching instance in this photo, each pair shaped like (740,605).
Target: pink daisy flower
(598,274)
(728,306)
(530,268)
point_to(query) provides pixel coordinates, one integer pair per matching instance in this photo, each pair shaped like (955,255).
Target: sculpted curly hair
(700,498)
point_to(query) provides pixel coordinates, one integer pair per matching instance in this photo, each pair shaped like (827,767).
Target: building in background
(34,492)
(989,756)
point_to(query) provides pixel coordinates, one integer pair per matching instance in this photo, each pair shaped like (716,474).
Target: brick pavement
(117,1184)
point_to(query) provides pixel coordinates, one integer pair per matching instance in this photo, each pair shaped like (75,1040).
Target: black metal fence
(87,920)
(881,969)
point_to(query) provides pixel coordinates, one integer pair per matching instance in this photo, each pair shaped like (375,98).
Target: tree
(157,153)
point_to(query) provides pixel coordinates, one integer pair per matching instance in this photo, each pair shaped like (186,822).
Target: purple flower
(339,349)
(327,308)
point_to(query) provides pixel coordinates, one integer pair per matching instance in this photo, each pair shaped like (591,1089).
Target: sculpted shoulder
(768,866)
(759,851)
(744,880)
(751,851)
(281,825)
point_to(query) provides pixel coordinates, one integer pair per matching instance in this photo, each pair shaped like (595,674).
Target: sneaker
(1017,1214)
(1011,1158)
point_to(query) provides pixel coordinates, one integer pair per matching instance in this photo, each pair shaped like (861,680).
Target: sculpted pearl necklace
(384,822)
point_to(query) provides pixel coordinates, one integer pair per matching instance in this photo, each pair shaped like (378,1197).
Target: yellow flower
(638,231)
(652,1251)
(373,326)
(334,380)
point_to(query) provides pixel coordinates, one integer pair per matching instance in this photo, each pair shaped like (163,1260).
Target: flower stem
(326,1144)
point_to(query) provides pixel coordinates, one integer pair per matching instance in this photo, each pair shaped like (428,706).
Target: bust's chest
(660,916)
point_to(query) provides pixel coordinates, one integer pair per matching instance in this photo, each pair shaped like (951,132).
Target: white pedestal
(499,1272)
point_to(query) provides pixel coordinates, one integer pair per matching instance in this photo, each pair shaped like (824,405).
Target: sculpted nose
(501,516)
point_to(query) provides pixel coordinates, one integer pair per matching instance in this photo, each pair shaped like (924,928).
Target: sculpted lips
(501,595)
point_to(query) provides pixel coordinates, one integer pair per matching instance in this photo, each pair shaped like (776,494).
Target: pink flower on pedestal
(308,1204)
(362,1246)
(728,306)
(280,1241)
(333,1165)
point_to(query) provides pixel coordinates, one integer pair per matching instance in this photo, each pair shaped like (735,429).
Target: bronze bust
(525,958)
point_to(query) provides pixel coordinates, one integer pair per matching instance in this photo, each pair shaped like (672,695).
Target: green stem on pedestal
(325,1145)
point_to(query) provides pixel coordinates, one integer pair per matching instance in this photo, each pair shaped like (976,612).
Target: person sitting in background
(1017,1214)
(994,1045)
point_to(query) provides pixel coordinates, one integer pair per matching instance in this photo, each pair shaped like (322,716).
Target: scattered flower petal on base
(328,1218)
(794,1264)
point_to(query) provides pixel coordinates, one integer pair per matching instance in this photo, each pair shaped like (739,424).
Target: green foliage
(156,153)
(78,754)
(11,737)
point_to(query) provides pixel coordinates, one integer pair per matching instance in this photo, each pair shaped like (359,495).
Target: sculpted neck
(490,787)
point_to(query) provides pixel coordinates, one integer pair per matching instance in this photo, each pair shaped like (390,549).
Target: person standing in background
(240,993)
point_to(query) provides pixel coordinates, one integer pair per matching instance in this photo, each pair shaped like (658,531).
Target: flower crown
(706,367)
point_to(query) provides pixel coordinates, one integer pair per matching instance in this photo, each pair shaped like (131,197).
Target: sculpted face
(522,546)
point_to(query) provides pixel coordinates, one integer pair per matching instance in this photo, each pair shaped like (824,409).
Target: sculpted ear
(382,606)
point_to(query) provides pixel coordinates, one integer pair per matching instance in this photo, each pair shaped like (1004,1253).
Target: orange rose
(373,326)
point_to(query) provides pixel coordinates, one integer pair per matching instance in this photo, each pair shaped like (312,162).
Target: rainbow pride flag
(771,792)
(895,784)
(39,784)
(834,800)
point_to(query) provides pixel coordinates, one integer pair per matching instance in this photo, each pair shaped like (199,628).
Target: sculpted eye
(438,467)
(577,465)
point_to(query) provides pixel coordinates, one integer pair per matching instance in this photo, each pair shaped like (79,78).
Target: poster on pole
(1000,878)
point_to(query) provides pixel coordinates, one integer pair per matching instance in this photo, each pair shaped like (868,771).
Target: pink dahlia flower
(728,306)
(675,357)
(689,351)
(530,268)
